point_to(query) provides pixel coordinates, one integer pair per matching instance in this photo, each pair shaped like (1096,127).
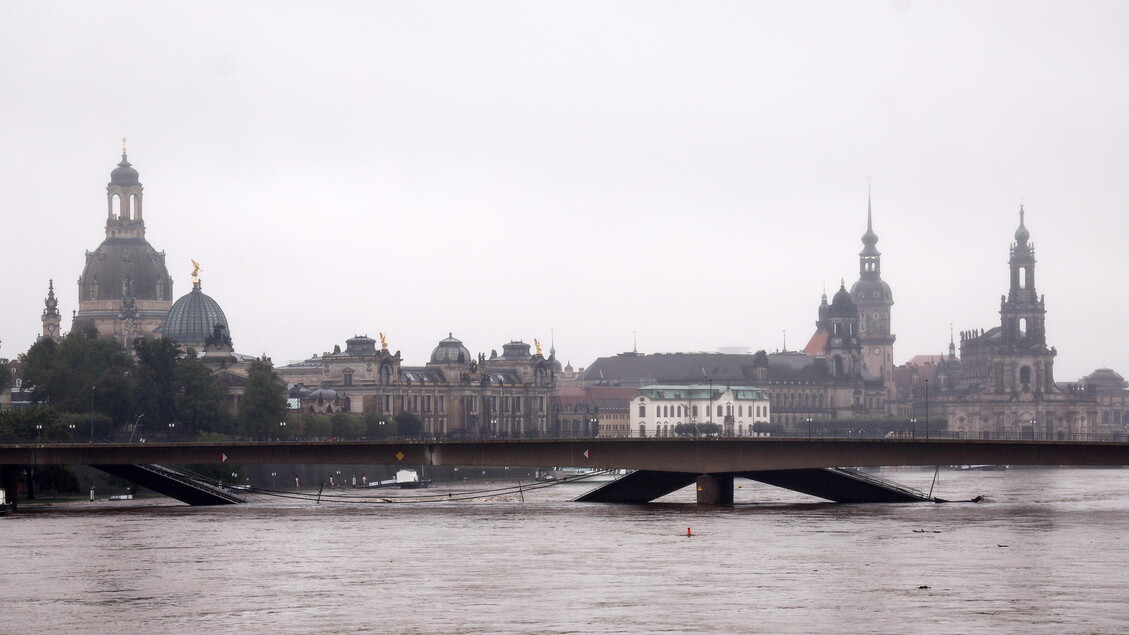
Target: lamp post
(71,426)
(809,427)
(92,413)
(281,430)
(172,428)
(136,425)
(710,420)
(913,427)
(39,432)
(926,409)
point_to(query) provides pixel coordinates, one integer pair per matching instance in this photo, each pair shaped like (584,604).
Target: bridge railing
(815,433)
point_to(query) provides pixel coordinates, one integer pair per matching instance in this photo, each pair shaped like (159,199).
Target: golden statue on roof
(383,342)
(537,343)
(195,272)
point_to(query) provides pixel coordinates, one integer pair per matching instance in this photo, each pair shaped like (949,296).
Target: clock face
(877,351)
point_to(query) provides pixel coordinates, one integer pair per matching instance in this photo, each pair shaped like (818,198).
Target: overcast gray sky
(692,172)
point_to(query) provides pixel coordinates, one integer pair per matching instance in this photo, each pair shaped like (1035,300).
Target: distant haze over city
(671,177)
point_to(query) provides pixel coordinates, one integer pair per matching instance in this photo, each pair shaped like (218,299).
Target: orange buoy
(688,534)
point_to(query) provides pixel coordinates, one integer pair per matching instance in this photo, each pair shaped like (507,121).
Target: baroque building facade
(455,395)
(657,411)
(839,375)
(1003,384)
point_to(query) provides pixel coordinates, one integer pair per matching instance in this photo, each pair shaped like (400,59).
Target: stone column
(715,489)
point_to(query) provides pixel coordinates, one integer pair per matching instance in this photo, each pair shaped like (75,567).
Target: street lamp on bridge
(136,425)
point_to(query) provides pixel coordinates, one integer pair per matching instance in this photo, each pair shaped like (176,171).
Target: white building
(657,410)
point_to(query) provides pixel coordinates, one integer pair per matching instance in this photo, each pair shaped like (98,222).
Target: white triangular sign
(587,454)
(223,457)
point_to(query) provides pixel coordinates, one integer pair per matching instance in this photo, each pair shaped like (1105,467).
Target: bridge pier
(715,489)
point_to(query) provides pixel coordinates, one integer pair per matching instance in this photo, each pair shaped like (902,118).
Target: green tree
(316,426)
(83,373)
(5,377)
(21,425)
(341,425)
(697,429)
(264,401)
(199,399)
(408,424)
(379,427)
(156,384)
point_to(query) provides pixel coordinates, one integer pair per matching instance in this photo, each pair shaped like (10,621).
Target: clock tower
(52,321)
(873,298)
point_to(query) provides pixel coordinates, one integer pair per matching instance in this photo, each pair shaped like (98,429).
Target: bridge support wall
(715,489)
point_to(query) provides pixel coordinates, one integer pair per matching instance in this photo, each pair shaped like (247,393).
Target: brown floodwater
(1046,552)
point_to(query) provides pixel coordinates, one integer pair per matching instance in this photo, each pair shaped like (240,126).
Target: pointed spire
(50,301)
(869,239)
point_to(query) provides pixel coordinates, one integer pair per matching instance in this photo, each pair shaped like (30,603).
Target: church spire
(51,319)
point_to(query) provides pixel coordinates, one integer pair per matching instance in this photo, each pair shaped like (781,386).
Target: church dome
(122,267)
(124,174)
(842,305)
(872,291)
(193,318)
(1106,379)
(450,351)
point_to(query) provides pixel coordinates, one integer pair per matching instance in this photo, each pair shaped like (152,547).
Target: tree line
(88,388)
(84,387)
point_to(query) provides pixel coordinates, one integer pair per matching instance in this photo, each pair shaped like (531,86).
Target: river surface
(1046,552)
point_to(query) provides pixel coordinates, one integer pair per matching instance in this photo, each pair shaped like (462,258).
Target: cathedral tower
(873,298)
(125,290)
(52,321)
(1023,332)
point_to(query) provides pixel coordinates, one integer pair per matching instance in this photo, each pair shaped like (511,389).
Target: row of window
(426,403)
(677,410)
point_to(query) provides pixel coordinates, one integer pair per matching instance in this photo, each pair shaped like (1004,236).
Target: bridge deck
(702,456)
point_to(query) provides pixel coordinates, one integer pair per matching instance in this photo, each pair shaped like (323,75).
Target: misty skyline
(693,175)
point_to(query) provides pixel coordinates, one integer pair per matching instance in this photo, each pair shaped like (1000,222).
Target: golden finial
(537,343)
(195,272)
(123,144)
(843,282)
(383,342)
